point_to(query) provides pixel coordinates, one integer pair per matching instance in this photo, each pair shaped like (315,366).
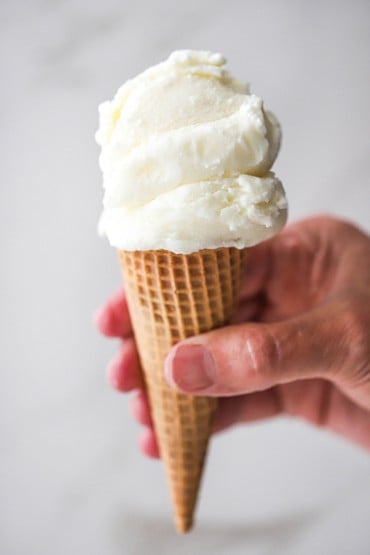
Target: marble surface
(72,479)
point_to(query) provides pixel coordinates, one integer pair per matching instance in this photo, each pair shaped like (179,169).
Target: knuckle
(262,350)
(343,230)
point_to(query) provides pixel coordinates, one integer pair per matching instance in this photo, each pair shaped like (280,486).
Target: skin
(299,344)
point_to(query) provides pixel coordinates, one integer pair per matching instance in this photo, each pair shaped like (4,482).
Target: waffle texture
(171,297)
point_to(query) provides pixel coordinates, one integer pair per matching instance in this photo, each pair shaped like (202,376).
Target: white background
(72,479)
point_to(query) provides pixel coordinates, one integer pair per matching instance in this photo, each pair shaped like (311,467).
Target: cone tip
(184,523)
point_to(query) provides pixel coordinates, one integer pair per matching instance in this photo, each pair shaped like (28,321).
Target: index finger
(256,270)
(113,319)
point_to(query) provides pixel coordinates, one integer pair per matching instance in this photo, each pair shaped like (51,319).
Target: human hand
(299,344)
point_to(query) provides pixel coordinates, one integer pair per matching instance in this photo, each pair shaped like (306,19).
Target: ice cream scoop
(185,154)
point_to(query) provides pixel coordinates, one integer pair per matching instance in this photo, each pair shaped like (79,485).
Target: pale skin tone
(299,344)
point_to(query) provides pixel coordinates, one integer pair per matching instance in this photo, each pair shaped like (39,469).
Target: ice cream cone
(171,297)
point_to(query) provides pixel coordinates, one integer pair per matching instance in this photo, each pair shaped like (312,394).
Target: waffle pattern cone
(172,297)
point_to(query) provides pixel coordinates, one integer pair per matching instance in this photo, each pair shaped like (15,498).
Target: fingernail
(190,368)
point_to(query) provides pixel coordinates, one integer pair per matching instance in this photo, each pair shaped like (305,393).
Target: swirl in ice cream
(185,154)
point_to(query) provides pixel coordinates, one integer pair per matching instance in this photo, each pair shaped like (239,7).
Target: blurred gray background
(72,479)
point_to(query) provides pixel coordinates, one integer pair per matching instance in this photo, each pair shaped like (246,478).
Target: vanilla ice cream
(185,154)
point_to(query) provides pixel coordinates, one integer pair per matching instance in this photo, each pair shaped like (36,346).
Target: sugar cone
(171,297)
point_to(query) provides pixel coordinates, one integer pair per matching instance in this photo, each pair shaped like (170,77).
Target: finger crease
(278,400)
(325,405)
(252,357)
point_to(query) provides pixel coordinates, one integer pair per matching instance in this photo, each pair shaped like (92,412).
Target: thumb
(253,357)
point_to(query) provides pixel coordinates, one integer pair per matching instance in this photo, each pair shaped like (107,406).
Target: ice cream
(186,152)
(186,157)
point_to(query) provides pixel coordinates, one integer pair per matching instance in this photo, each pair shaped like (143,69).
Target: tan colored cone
(171,297)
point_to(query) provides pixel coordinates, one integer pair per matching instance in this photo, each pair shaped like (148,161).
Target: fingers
(141,412)
(140,409)
(302,265)
(247,311)
(283,260)
(348,420)
(256,270)
(148,444)
(246,408)
(255,357)
(316,401)
(113,320)
(124,373)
